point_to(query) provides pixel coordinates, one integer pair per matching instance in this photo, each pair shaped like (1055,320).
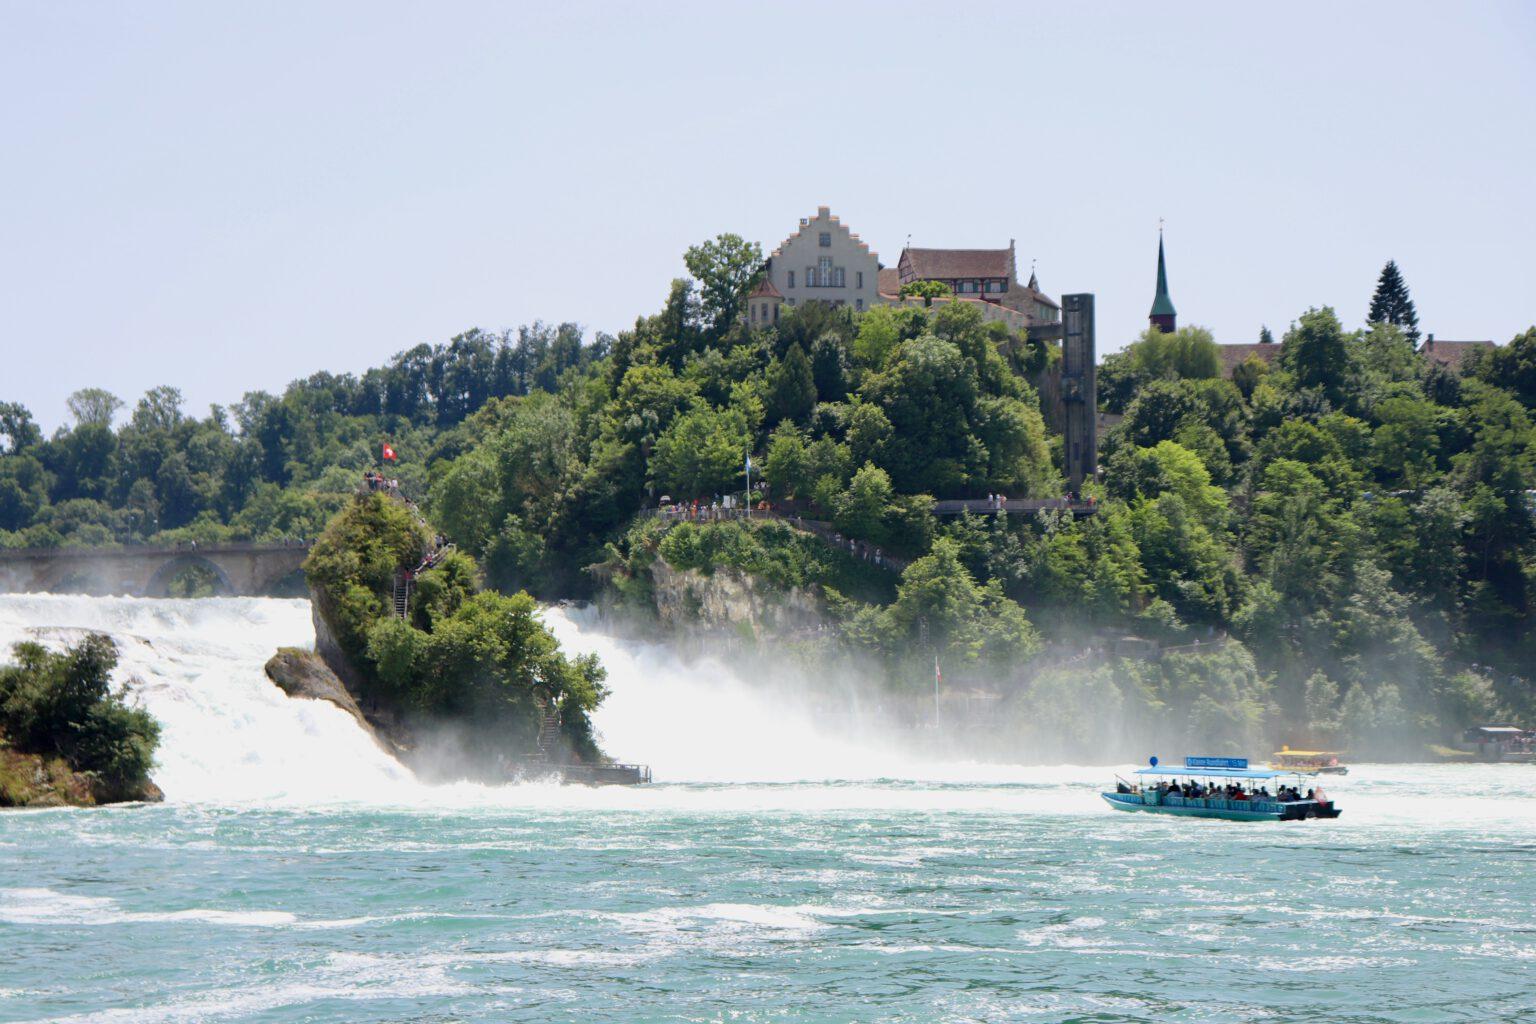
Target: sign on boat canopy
(1215,762)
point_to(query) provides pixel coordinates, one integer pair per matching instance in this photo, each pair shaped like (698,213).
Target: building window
(858,304)
(994,286)
(754,311)
(861,280)
(826,239)
(791,278)
(966,287)
(791,302)
(765,312)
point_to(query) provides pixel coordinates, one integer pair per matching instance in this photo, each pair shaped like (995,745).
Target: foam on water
(228,733)
(703,720)
(718,742)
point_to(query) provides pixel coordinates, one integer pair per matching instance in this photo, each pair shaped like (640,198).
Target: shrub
(61,704)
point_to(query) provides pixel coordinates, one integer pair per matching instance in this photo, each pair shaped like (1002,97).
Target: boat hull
(1220,809)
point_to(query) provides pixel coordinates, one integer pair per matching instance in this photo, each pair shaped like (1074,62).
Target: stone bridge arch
(240,568)
(159,584)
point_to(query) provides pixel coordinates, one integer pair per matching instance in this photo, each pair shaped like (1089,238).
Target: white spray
(232,737)
(228,734)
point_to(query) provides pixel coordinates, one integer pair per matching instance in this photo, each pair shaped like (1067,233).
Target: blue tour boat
(1222,787)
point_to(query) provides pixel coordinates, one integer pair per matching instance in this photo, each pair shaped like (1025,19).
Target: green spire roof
(1162,305)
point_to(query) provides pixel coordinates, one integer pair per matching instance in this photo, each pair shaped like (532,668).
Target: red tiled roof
(766,290)
(950,264)
(889,282)
(1233,356)
(1451,354)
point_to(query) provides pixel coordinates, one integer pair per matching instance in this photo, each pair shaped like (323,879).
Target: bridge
(239,568)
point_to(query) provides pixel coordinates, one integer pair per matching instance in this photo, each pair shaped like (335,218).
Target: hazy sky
(224,197)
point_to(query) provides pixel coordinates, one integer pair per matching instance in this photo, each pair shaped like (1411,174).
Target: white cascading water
(701,721)
(228,734)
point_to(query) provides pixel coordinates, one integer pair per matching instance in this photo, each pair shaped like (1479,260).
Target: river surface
(297,874)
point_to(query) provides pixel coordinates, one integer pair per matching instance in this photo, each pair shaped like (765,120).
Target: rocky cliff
(327,674)
(32,780)
(730,603)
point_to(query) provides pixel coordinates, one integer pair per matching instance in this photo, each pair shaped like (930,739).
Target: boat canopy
(1214,773)
(1305,753)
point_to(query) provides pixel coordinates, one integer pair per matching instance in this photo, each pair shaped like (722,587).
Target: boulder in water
(300,673)
(303,674)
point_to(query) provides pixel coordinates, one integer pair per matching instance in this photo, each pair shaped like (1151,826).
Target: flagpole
(749,485)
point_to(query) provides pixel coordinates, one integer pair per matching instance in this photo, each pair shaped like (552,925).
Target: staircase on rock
(402,597)
(549,725)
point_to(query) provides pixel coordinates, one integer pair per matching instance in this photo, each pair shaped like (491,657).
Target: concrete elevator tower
(1079,391)
(1164,317)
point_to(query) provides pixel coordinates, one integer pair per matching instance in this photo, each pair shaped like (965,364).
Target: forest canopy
(1355,516)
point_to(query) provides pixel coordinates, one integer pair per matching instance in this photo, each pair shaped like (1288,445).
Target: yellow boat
(1313,762)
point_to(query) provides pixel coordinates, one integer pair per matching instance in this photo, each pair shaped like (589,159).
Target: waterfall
(228,734)
(711,720)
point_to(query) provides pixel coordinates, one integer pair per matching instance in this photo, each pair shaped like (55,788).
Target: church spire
(1164,316)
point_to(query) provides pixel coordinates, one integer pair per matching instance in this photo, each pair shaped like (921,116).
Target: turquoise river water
(297,874)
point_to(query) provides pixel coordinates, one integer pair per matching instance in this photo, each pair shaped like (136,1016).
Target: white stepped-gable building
(821,262)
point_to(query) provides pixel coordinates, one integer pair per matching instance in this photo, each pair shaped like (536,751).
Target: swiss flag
(389,454)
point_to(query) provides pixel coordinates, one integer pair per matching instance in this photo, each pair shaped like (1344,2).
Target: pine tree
(1265,338)
(1391,304)
(791,387)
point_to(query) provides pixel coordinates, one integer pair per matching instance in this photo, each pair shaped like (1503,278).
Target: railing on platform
(993,506)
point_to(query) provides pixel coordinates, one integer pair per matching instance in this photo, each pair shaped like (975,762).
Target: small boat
(1221,787)
(1313,762)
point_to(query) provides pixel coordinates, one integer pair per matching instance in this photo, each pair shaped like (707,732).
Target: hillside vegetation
(65,735)
(1351,525)
(475,661)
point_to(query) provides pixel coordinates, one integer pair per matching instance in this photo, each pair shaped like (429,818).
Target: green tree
(93,406)
(927,291)
(1385,354)
(791,388)
(702,453)
(928,391)
(726,269)
(786,464)
(860,510)
(1390,303)
(17,428)
(965,623)
(61,704)
(1513,366)
(1317,356)
(881,330)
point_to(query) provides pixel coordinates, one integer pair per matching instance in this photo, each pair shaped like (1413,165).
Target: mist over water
(786,867)
(719,734)
(718,719)
(228,733)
